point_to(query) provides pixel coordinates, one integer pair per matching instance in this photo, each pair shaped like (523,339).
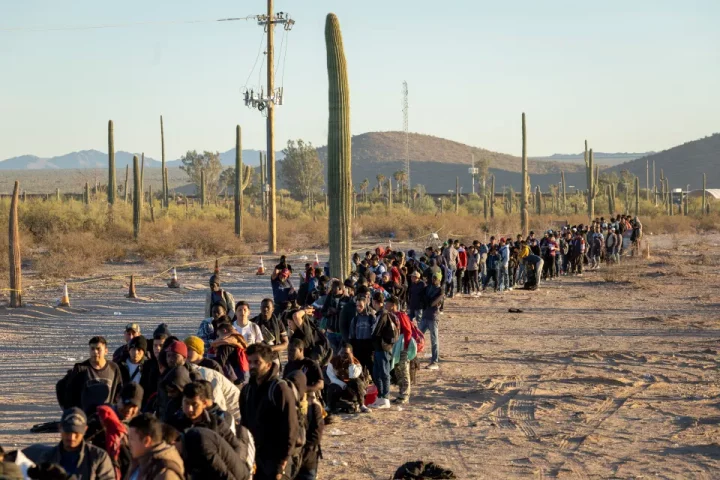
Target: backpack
(301,405)
(321,351)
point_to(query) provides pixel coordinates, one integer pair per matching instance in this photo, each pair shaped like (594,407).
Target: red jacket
(462,259)
(405,328)
(115,432)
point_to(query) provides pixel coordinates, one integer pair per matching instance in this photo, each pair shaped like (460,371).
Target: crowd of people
(249,396)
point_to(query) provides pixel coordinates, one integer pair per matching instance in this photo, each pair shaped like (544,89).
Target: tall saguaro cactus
(164,199)
(14,250)
(704,197)
(538,200)
(591,183)
(202,188)
(125,188)
(390,193)
(137,197)
(339,152)
(637,196)
(86,194)
(112,184)
(243,174)
(564,198)
(524,215)
(492,197)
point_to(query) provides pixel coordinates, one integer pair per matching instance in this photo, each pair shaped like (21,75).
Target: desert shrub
(75,253)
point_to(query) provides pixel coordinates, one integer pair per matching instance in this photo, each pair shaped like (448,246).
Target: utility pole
(647,178)
(267,102)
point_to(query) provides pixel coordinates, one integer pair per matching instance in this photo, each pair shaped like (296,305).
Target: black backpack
(321,351)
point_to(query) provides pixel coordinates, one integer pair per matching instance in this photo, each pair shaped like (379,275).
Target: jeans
(520,276)
(415,314)
(432,325)
(504,282)
(381,373)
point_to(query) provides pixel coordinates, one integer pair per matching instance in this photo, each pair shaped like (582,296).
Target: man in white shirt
(250,331)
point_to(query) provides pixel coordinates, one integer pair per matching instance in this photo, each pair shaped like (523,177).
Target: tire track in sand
(571,443)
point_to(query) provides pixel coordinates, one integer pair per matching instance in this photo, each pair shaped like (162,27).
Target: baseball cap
(132,326)
(132,394)
(73,421)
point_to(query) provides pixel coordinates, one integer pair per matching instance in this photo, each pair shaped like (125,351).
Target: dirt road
(609,375)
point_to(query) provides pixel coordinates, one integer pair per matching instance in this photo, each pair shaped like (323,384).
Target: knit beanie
(161,331)
(195,344)
(179,348)
(139,342)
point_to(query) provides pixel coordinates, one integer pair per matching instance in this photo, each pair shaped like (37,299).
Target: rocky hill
(682,165)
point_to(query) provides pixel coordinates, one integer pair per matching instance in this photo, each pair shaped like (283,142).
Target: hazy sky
(627,75)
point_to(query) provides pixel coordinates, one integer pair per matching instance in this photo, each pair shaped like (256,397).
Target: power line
(120,25)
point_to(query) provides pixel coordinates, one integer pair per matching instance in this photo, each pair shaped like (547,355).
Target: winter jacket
(347,314)
(229,352)
(268,410)
(207,455)
(218,422)
(121,354)
(206,331)
(282,291)
(492,261)
(504,255)
(433,299)
(363,325)
(451,257)
(473,261)
(163,462)
(93,463)
(69,390)
(341,370)
(383,336)
(462,258)
(331,310)
(225,394)
(227,301)
(415,293)
(125,372)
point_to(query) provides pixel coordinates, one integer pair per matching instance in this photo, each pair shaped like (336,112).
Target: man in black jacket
(273,330)
(197,397)
(431,317)
(96,369)
(132,367)
(268,410)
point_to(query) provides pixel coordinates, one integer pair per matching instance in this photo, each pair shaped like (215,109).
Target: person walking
(78,458)
(268,411)
(431,318)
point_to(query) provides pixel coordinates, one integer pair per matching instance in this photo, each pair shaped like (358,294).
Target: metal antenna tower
(407,135)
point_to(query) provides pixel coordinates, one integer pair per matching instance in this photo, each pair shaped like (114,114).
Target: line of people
(221,402)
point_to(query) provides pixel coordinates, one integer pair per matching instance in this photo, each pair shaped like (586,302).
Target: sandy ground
(611,375)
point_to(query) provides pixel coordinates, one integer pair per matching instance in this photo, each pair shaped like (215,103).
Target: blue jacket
(492,261)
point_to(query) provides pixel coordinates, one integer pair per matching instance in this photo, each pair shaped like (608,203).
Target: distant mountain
(378,148)
(96,159)
(682,165)
(600,157)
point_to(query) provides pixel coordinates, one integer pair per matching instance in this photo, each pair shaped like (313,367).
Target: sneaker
(364,409)
(510,289)
(433,366)
(382,403)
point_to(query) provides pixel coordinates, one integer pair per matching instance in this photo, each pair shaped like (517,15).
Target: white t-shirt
(251,332)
